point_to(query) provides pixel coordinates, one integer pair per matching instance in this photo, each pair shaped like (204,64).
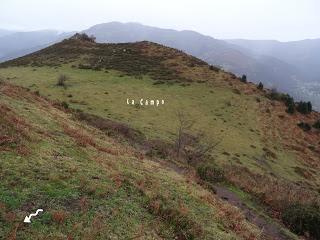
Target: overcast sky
(252,19)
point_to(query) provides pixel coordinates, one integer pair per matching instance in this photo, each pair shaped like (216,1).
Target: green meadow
(219,113)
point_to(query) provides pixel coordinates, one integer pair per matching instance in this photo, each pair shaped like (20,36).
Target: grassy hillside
(93,187)
(112,169)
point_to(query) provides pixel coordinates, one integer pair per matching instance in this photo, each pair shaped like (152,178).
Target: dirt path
(269,230)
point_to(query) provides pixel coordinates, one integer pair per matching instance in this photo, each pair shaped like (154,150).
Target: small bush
(304,126)
(65,105)
(97,68)
(158,148)
(236,91)
(159,82)
(260,86)
(316,124)
(62,80)
(244,78)
(210,173)
(84,37)
(233,76)
(302,219)
(84,66)
(214,68)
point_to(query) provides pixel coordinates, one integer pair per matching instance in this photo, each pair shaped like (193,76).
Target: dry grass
(59,216)
(81,138)
(291,137)
(276,193)
(13,131)
(233,218)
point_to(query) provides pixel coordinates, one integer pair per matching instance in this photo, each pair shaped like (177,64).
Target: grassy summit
(105,168)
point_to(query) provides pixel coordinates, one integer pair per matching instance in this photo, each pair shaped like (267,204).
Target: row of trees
(292,106)
(302,107)
(84,37)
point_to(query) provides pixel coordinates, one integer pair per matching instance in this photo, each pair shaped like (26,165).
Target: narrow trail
(269,230)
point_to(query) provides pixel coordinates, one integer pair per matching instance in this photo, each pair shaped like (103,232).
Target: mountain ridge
(298,77)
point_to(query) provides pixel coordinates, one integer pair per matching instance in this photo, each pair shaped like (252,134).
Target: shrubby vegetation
(291,108)
(210,173)
(62,80)
(214,68)
(317,124)
(303,219)
(65,105)
(304,126)
(84,37)
(304,107)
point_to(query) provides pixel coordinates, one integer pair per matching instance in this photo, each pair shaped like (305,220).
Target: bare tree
(184,125)
(193,147)
(200,149)
(62,80)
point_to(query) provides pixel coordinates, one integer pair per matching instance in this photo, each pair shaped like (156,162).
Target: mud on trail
(269,230)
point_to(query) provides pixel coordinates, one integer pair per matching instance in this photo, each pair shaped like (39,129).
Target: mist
(286,20)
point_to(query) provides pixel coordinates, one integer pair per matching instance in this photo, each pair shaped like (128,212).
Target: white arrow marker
(28,219)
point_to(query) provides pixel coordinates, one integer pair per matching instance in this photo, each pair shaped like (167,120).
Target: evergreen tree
(317,124)
(309,107)
(291,108)
(304,107)
(244,78)
(260,86)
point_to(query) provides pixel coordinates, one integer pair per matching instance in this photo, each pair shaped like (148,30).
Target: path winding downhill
(269,230)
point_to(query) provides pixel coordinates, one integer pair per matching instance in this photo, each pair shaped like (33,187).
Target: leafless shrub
(193,148)
(62,80)
(184,126)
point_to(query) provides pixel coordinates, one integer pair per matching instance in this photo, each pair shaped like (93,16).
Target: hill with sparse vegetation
(222,158)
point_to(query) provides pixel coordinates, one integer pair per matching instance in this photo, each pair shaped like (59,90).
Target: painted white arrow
(27,219)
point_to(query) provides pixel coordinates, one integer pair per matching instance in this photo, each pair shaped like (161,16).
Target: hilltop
(219,145)
(290,67)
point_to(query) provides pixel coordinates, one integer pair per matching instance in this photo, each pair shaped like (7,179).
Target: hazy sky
(253,19)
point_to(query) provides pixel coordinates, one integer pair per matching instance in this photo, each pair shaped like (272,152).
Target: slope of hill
(92,186)
(213,134)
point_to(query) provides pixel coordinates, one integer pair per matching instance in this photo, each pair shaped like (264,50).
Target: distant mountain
(272,71)
(4,32)
(21,43)
(304,55)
